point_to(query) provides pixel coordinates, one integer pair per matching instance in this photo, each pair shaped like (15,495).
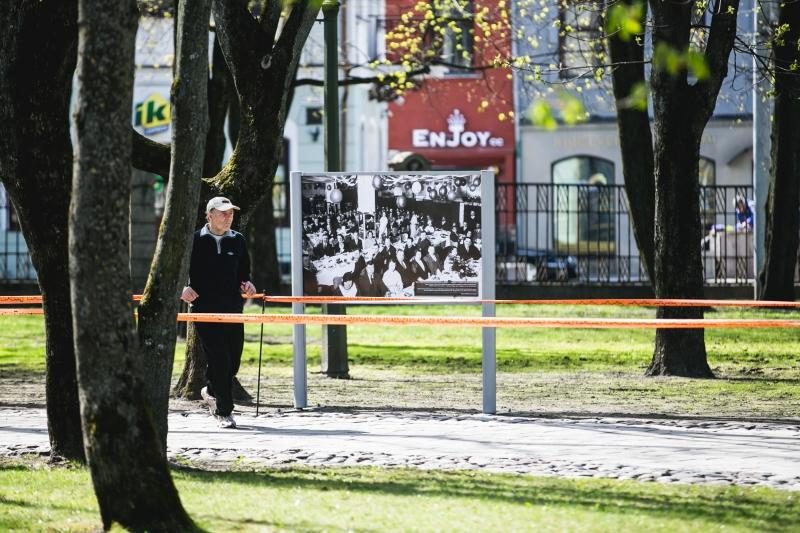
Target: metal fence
(546,234)
(15,261)
(551,234)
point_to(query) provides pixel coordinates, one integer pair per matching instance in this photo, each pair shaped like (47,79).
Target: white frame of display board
(486,288)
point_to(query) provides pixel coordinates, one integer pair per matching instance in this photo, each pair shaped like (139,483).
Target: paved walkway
(688,451)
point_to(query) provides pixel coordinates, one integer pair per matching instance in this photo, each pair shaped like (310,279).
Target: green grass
(429,367)
(444,349)
(43,498)
(450,348)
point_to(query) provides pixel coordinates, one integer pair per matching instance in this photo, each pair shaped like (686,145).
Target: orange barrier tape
(493,322)
(37,299)
(28,311)
(639,302)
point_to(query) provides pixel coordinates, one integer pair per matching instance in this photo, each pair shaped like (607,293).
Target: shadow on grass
(724,506)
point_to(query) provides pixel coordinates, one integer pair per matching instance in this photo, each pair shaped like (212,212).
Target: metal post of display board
(488,279)
(299,330)
(260,349)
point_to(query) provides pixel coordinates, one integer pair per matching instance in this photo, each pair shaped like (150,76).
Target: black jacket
(216,273)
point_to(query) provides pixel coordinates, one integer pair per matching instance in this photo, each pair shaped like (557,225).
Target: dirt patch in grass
(735,394)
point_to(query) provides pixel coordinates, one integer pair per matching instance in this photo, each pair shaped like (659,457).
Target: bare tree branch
(270,19)
(149,155)
(720,42)
(238,33)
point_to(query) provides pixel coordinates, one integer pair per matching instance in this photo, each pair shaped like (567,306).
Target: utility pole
(762,113)
(334,338)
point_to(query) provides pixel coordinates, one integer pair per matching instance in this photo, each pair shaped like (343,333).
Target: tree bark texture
(36,168)
(263,64)
(681,112)
(783,222)
(129,472)
(220,92)
(635,138)
(157,326)
(263,249)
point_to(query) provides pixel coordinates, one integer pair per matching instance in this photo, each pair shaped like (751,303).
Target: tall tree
(159,307)
(682,106)
(262,54)
(129,472)
(633,123)
(783,220)
(36,168)
(681,110)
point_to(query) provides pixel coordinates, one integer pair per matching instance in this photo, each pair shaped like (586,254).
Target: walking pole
(260,346)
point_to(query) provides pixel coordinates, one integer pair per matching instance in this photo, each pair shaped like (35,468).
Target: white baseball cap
(220,203)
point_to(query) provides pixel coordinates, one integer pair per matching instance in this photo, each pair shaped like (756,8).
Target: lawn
(574,371)
(558,372)
(37,497)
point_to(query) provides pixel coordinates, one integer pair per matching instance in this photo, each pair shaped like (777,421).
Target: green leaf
(541,115)
(637,99)
(697,65)
(572,109)
(625,21)
(668,59)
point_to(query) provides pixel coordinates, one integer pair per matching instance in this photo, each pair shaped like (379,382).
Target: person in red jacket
(219,274)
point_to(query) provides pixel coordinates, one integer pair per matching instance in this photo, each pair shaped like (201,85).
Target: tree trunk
(678,263)
(783,222)
(220,87)
(263,249)
(193,376)
(36,167)
(129,472)
(159,307)
(263,68)
(681,111)
(635,138)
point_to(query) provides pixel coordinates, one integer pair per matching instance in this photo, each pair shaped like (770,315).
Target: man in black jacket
(219,274)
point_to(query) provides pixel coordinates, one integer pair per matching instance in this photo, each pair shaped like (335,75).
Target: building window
(280,189)
(9,221)
(457,47)
(313,116)
(580,39)
(457,39)
(584,205)
(707,178)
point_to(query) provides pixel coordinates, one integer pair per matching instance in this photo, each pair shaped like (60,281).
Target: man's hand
(247,288)
(188,295)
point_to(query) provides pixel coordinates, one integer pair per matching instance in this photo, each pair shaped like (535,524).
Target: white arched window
(584,205)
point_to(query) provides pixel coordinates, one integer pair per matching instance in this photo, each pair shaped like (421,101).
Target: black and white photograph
(392,235)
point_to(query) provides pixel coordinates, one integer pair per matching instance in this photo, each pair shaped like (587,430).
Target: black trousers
(222,344)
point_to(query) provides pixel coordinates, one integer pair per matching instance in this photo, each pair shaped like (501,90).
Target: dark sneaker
(211,402)
(226,422)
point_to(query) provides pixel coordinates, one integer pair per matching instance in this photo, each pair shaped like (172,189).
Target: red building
(461,116)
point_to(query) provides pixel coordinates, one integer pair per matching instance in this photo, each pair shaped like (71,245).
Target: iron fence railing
(545,234)
(550,233)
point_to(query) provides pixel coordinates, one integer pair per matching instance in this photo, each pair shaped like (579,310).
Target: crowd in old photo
(351,253)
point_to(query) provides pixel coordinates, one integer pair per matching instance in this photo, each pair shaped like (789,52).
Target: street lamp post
(334,338)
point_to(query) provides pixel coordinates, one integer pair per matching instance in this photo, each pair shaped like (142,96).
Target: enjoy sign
(455,137)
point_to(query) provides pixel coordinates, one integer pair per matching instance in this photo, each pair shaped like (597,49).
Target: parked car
(542,265)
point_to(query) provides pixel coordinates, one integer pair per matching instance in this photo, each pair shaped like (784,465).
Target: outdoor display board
(407,235)
(416,235)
